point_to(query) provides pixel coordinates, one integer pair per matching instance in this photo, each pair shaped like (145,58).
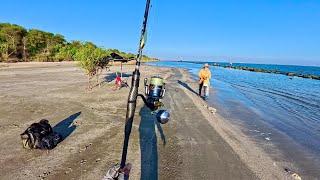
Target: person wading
(204,80)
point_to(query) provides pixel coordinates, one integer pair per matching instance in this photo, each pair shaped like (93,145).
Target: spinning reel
(154,92)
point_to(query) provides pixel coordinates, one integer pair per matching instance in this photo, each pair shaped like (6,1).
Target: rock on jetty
(308,76)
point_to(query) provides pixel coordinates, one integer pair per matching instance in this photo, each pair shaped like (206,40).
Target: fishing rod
(154,90)
(133,94)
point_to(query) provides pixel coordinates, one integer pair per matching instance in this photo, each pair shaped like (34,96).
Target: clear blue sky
(261,31)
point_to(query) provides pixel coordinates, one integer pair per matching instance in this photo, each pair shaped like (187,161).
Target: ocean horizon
(237,62)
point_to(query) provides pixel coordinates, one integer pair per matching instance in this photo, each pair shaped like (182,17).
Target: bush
(89,57)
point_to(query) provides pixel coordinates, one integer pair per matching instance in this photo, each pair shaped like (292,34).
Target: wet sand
(195,144)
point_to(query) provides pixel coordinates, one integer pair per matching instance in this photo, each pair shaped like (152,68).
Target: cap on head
(206,65)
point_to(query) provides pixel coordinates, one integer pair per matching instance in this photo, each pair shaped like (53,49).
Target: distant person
(204,81)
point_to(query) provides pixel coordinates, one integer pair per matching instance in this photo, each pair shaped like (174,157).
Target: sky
(254,31)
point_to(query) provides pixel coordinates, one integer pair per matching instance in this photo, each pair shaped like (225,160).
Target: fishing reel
(154,92)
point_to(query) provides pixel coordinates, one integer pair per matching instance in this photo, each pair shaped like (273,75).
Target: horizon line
(221,61)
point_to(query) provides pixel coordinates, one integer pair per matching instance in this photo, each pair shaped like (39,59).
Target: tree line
(18,44)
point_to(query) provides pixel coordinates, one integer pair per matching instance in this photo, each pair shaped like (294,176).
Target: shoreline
(246,148)
(196,143)
(250,106)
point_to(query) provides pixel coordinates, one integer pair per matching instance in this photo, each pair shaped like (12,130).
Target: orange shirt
(205,76)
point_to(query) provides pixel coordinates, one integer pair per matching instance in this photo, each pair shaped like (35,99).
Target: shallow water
(280,112)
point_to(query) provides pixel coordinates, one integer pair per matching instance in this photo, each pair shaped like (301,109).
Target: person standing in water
(204,80)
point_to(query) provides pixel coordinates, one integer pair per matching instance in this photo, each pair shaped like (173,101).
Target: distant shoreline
(7,64)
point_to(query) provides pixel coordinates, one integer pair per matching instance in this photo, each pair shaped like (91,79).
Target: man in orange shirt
(204,80)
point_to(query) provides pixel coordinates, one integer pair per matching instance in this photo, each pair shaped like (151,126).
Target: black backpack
(40,136)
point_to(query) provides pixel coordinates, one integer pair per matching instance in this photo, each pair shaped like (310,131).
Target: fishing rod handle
(131,107)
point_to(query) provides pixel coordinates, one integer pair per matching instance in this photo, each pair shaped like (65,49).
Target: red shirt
(118,80)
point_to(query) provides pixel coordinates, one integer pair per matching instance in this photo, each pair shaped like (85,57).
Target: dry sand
(195,144)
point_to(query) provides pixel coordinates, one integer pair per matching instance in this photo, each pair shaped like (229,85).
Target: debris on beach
(267,138)
(296,176)
(85,147)
(83,161)
(293,174)
(76,123)
(68,171)
(44,175)
(212,110)
(15,125)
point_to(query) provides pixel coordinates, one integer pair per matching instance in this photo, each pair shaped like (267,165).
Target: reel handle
(146,87)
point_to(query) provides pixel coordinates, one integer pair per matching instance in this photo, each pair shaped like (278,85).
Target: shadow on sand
(148,144)
(65,127)
(112,76)
(187,87)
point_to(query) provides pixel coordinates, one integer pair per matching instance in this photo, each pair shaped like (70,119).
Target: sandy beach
(196,144)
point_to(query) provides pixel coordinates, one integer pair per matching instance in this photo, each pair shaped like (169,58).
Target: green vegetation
(18,44)
(91,59)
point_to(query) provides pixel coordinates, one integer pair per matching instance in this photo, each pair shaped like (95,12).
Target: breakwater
(309,72)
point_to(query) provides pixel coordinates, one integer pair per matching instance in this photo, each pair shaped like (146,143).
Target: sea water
(281,113)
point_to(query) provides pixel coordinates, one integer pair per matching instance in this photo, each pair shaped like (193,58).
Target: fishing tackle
(154,92)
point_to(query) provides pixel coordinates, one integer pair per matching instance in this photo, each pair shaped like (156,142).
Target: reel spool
(154,92)
(155,89)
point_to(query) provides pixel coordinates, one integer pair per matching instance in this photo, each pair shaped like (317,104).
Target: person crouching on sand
(204,80)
